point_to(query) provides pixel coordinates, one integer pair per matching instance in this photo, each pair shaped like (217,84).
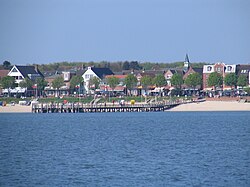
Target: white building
(94,72)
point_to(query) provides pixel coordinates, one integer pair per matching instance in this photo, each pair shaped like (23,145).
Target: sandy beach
(202,106)
(213,106)
(15,109)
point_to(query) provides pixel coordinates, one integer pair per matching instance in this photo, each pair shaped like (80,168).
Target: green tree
(130,82)
(26,83)
(159,80)
(146,81)
(177,80)
(75,81)
(230,79)
(94,83)
(247,89)
(112,82)
(125,65)
(215,80)
(57,83)
(41,84)
(134,65)
(242,81)
(193,80)
(6,65)
(7,83)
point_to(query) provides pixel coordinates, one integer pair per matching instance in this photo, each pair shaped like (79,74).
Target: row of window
(89,76)
(219,69)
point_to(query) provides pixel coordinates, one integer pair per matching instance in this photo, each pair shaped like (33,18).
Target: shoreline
(212,106)
(209,106)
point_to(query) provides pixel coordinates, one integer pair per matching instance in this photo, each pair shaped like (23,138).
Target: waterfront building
(220,68)
(91,72)
(20,73)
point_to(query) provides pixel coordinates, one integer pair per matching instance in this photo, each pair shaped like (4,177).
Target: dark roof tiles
(102,72)
(26,70)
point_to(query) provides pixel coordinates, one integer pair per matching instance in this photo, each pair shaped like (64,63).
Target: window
(229,68)
(219,69)
(209,68)
(14,70)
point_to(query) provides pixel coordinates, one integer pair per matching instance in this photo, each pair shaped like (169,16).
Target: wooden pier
(88,108)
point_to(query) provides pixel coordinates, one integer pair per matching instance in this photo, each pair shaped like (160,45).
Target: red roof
(117,76)
(3,73)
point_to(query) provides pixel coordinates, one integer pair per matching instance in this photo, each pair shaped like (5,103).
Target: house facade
(94,72)
(220,68)
(244,70)
(20,73)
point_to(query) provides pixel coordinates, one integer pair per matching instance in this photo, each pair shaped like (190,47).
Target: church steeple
(187,59)
(186,63)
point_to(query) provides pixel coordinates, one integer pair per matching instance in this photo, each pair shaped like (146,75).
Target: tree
(130,81)
(75,81)
(193,80)
(159,80)
(26,83)
(7,83)
(215,80)
(230,79)
(146,81)
(57,83)
(112,82)
(177,80)
(242,81)
(41,84)
(134,65)
(94,83)
(247,89)
(6,65)
(125,65)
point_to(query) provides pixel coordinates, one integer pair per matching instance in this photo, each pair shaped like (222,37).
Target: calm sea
(125,149)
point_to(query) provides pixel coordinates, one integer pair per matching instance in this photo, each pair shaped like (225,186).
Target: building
(244,70)
(20,73)
(220,68)
(186,64)
(94,72)
(65,89)
(169,73)
(192,70)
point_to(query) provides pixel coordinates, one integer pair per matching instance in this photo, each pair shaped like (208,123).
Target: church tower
(186,63)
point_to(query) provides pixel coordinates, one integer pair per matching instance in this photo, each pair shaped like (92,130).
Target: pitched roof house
(22,72)
(94,72)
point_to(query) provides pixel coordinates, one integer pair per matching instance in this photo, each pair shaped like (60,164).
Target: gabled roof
(102,72)
(198,70)
(178,71)
(26,70)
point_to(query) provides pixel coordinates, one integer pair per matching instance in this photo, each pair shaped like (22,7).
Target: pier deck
(87,108)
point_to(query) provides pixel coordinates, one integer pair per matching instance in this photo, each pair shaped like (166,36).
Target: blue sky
(45,31)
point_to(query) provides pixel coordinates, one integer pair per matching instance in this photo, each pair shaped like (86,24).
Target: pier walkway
(86,108)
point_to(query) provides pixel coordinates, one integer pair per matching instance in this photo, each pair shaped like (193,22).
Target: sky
(47,31)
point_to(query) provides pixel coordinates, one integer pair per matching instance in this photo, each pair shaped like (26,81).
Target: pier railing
(103,107)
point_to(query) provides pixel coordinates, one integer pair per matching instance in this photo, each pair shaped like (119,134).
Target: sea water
(125,149)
